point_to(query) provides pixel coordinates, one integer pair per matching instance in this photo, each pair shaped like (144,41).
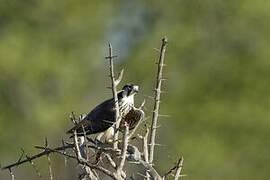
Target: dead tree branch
(114,83)
(121,151)
(179,168)
(157,99)
(124,150)
(45,152)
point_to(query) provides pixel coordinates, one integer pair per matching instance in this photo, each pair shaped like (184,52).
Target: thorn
(142,175)
(82,116)
(63,142)
(108,87)
(164,40)
(163,79)
(46,142)
(72,117)
(157,145)
(164,115)
(160,64)
(111,57)
(160,91)
(156,49)
(158,101)
(20,158)
(157,127)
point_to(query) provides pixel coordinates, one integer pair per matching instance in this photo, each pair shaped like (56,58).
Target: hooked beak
(136,88)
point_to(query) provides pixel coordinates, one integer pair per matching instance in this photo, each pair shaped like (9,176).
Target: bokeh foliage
(52,62)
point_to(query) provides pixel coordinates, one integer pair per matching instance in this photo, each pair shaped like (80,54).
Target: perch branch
(114,83)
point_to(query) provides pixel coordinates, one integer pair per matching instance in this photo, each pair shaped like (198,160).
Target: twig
(33,165)
(179,168)
(114,91)
(64,152)
(157,98)
(50,167)
(84,162)
(77,148)
(124,150)
(82,158)
(145,146)
(145,150)
(154,174)
(11,174)
(57,151)
(111,161)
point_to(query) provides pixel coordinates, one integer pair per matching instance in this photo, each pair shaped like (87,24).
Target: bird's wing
(133,117)
(98,120)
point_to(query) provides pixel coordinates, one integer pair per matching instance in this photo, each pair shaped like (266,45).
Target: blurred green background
(52,62)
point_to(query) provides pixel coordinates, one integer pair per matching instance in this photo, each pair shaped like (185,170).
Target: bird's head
(130,89)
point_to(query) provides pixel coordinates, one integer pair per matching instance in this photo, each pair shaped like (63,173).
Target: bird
(102,117)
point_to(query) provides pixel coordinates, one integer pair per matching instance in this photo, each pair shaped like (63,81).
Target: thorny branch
(124,151)
(157,99)
(114,83)
(177,169)
(45,152)
(121,151)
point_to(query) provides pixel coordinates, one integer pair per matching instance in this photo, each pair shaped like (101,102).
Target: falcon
(102,117)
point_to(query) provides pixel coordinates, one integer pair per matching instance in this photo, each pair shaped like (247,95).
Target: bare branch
(111,161)
(114,91)
(157,98)
(77,148)
(154,174)
(145,146)
(179,168)
(33,165)
(124,150)
(120,76)
(64,151)
(142,104)
(45,152)
(50,167)
(11,174)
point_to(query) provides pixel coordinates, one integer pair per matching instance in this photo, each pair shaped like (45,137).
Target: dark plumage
(132,118)
(102,116)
